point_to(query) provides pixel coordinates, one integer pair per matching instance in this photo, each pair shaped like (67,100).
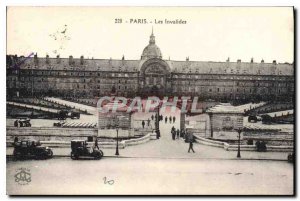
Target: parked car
(266,119)
(74,115)
(31,149)
(58,124)
(24,122)
(80,148)
(62,115)
(252,118)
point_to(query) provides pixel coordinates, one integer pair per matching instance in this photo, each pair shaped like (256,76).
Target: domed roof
(151,50)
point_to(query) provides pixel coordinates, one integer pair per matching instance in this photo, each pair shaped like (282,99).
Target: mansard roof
(193,67)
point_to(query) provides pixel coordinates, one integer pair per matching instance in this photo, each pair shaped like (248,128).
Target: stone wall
(50,133)
(271,137)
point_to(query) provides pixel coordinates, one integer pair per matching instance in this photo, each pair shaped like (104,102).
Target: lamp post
(117,147)
(239,130)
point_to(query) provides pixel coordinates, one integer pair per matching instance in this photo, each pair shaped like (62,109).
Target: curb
(180,158)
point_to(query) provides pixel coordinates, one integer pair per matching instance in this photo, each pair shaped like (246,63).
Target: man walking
(170,119)
(166,119)
(174,118)
(148,122)
(143,124)
(191,146)
(173,134)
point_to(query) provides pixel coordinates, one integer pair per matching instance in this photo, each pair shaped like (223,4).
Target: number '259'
(118,20)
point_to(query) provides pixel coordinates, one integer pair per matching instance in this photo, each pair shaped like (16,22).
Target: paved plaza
(152,176)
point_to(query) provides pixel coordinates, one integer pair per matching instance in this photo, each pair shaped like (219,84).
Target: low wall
(229,147)
(50,133)
(137,141)
(274,138)
(61,137)
(112,133)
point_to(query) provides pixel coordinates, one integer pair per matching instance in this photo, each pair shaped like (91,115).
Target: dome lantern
(151,50)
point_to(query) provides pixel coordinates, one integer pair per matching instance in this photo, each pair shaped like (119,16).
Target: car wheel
(17,155)
(72,156)
(97,155)
(76,156)
(50,154)
(101,152)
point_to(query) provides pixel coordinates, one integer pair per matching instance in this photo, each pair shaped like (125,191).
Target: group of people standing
(148,123)
(160,118)
(170,119)
(177,134)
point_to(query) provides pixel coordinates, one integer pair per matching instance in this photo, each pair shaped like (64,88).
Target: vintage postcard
(150,101)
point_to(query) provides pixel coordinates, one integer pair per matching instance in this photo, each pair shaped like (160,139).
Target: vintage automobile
(252,118)
(80,148)
(24,122)
(58,124)
(62,115)
(74,115)
(31,149)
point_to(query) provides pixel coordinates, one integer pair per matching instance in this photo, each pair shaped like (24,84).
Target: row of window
(71,73)
(224,90)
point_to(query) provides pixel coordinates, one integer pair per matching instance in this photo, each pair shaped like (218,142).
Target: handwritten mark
(110,182)
(17,65)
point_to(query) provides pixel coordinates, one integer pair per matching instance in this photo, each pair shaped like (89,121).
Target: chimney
(262,61)
(187,59)
(35,59)
(81,60)
(228,59)
(47,59)
(239,61)
(274,62)
(57,59)
(70,60)
(252,60)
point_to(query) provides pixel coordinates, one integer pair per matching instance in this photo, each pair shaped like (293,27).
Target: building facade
(151,75)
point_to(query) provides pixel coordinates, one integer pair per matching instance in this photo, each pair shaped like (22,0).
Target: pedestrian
(16,123)
(177,133)
(170,119)
(174,118)
(148,122)
(96,143)
(166,119)
(173,134)
(173,129)
(16,139)
(181,133)
(157,134)
(143,124)
(191,146)
(152,117)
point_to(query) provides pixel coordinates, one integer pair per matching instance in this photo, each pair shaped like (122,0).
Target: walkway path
(82,107)
(45,109)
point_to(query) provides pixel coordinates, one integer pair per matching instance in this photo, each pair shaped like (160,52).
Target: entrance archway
(153,77)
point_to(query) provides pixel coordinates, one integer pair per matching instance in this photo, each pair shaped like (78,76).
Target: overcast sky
(210,34)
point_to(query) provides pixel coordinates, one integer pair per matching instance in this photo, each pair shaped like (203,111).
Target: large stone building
(70,77)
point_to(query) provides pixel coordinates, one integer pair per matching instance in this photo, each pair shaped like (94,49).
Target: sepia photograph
(150,100)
